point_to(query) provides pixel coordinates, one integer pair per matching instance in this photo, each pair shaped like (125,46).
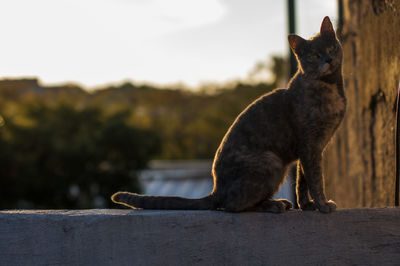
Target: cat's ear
(295,42)
(327,28)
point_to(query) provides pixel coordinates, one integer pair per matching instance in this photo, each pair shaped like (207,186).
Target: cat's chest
(332,101)
(328,103)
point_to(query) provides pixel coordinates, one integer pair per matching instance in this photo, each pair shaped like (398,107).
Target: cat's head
(319,56)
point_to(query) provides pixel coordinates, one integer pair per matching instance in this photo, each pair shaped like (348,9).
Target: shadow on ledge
(368,236)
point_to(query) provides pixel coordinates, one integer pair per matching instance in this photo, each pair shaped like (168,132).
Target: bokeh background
(93,93)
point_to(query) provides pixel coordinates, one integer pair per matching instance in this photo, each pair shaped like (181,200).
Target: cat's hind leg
(273,205)
(260,178)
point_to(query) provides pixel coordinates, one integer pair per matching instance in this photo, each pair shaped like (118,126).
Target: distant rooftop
(190,179)
(187,178)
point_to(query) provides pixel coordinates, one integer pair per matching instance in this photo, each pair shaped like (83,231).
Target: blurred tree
(279,67)
(274,70)
(62,147)
(70,158)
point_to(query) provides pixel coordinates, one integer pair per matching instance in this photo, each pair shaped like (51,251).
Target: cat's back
(262,112)
(263,125)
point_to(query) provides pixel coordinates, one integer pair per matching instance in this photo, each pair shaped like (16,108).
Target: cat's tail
(137,201)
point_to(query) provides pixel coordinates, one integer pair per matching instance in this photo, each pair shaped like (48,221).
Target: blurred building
(187,178)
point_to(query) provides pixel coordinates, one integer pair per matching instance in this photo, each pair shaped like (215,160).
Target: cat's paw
(329,206)
(275,206)
(287,204)
(308,206)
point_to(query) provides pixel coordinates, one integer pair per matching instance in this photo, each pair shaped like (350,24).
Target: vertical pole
(292,30)
(339,31)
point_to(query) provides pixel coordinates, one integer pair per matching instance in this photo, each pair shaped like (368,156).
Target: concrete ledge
(128,237)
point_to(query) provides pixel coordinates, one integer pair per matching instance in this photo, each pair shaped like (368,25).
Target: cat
(276,130)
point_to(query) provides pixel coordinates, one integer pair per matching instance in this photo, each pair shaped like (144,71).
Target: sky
(97,42)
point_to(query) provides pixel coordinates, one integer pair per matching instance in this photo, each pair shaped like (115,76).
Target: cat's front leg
(303,200)
(311,163)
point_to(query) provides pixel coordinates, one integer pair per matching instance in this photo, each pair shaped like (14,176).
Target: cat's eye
(330,49)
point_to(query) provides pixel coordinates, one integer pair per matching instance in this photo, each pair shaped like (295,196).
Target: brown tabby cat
(271,133)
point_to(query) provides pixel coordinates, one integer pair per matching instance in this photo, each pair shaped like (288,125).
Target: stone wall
(127,237)
(359,164)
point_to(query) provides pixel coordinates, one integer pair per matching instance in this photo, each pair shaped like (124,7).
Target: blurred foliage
(191,124)
(63,157)
(275,70)
(64,147)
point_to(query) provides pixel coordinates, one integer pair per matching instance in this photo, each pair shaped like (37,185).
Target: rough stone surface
(359,164)
(126,237)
